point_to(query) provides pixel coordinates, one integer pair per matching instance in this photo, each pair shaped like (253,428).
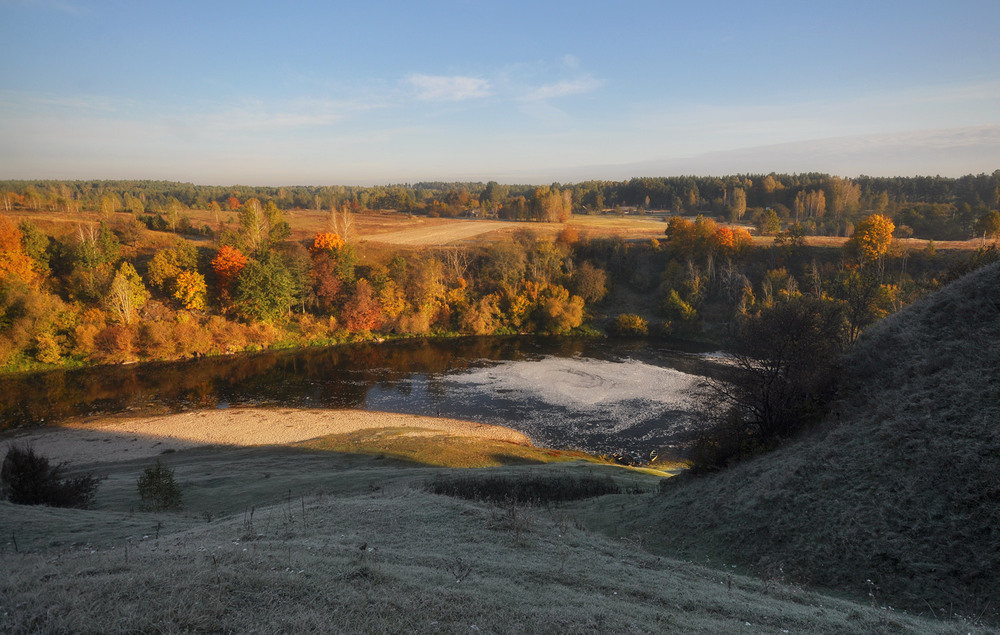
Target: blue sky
(389,92)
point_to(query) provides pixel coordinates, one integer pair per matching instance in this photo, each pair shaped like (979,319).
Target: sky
(323,93)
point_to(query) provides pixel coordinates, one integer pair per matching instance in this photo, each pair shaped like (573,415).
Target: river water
(595,395)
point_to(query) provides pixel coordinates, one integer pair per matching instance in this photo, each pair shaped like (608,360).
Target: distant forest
(930,207)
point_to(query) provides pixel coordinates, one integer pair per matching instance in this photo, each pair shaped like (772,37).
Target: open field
(282,538)
(405,230)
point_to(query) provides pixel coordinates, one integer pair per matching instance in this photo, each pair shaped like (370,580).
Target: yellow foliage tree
(127,294)
(872,239)
(190,289)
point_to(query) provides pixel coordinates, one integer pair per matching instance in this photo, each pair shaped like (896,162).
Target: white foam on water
(582,385)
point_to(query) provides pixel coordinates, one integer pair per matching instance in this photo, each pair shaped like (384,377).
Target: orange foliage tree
(362,312)
(13,261)
(732,242)
(326,241)
(227,264)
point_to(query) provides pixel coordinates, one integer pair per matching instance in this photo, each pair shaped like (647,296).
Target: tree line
(937,207)
(118,289)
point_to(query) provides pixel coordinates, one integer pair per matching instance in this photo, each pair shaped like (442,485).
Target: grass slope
(284,540)
(899,487)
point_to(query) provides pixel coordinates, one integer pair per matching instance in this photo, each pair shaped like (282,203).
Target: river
(595,395)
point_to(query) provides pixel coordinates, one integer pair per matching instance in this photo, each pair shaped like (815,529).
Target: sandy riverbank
(109,439)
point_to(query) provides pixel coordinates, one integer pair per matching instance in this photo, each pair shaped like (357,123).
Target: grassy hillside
(892,503)
(897,495)
(290,540)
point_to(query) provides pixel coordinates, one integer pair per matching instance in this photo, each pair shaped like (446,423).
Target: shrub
(29,479)
(783,376)
(535,489)
(630,325)
(158,489)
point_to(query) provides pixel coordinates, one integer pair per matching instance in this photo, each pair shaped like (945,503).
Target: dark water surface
(591,394)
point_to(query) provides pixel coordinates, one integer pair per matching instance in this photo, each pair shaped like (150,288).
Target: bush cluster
(523,489)
(29,479)
(158,489)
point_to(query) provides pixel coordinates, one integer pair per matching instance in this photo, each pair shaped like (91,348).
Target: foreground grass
(281,540)
(365,548)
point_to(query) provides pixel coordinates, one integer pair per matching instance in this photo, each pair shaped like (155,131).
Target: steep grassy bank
(895,496)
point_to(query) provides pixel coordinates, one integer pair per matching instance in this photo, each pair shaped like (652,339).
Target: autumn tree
(340,221)
(738,204)
(134,204)
(216,211)
(362,312)
(14,262)
(326,283)
(126,295)
(559,310)
(426,285)
(502,264)
(545,261)
(254,228)
(8,199)
(227,265)
(331,271)
(326,242)
(871,240)
(688,239)
(810,205)
(482,317)
(89,263)
(190,289)
(590,283)
(493,196)
(167,264)
(768,223)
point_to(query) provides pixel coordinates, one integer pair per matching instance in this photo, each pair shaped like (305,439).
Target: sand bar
(110,439)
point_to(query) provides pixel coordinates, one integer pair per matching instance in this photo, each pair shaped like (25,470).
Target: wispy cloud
(448,87)
(564,88)
(281,116)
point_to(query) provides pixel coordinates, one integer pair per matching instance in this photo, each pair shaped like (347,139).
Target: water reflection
(412,376)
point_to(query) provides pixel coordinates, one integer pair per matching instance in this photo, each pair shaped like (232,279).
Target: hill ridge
(897,493)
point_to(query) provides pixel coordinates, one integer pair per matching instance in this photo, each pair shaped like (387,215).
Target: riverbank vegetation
(134,281)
